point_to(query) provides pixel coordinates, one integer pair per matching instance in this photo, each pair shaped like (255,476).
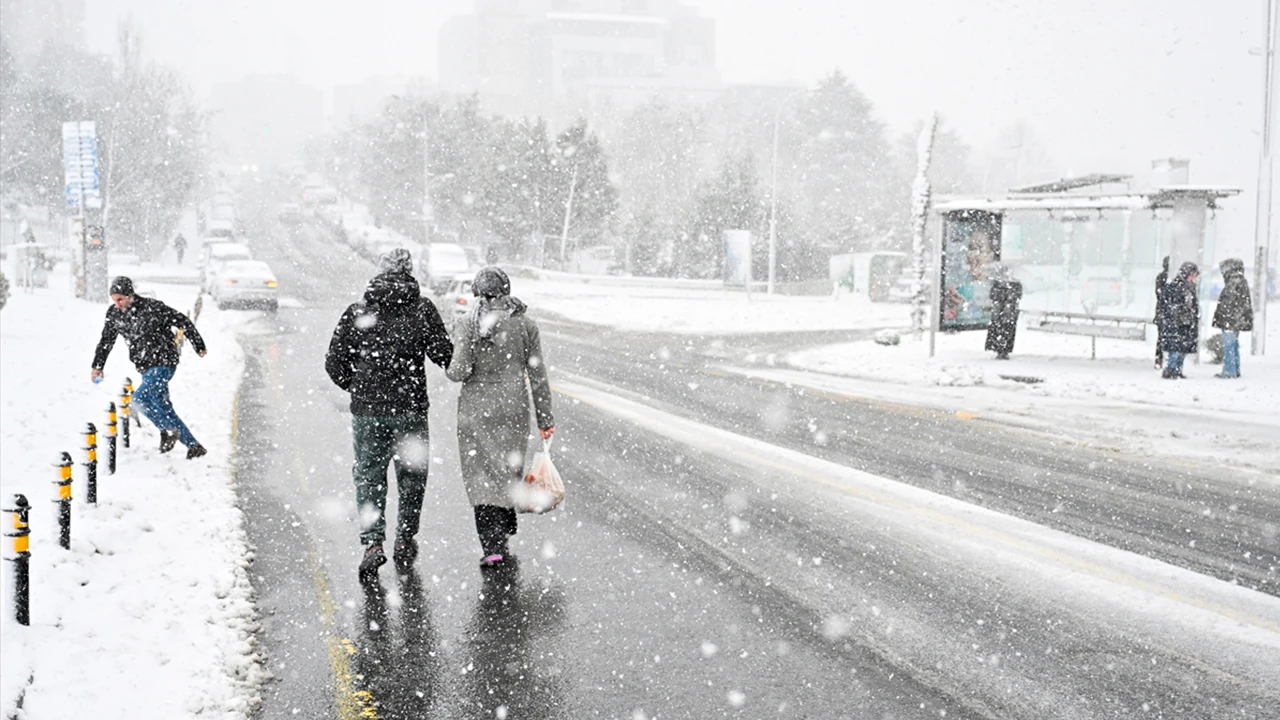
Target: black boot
(168,438)
(196,451)
(373,559)
(406,551)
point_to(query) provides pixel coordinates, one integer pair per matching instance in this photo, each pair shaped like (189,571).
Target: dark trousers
(379,440)
(494,525)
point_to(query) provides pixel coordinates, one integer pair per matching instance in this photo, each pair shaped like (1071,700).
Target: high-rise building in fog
(264,120)
(577,56)
(27,25)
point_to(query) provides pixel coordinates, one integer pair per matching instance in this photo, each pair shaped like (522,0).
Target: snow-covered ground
(1050,383)
(150,613)
(690,311)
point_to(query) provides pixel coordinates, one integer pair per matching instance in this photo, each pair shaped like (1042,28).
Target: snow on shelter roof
(1140,200)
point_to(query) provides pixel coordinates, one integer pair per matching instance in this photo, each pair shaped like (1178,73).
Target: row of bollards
(21,531)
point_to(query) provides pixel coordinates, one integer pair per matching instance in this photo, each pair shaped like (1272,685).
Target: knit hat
(121,285)
(397,260)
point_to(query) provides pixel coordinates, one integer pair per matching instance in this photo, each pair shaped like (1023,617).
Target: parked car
(217,256)
(246,283)
(290,214)
(456,299)
(440,263)
(221,228)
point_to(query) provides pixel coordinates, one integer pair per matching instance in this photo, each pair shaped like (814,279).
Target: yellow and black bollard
(126,397)
(64,500)
(21,558)
(91,464)
(135,416)
(111,438)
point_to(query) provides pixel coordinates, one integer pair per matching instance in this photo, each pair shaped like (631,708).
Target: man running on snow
(147,326)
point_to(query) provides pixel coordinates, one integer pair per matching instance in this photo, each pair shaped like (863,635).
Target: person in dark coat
(498,347)
(1180,321)
(1234,314)
(1161,279)
(147,326)
(1006,292)
(378,354)
(180,247)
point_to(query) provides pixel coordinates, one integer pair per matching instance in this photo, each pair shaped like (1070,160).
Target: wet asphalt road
(676,584)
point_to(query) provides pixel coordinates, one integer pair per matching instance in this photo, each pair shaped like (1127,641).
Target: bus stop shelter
(1079,250)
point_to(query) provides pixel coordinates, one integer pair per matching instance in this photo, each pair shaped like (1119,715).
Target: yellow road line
(352,704)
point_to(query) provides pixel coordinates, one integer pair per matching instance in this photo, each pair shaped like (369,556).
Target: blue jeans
(1175,362)
(1230,353)
(153,397)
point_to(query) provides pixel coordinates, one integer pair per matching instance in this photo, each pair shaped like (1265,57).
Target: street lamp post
(1262,228)
(773,191)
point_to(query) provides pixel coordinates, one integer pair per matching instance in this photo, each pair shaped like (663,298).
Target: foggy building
(590,57)
(360,101)
(264,120)
(27,25)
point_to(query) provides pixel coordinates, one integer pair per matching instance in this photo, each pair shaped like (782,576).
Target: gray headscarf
(493,288)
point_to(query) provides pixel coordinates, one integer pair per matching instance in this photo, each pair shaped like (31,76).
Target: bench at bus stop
(1093,326)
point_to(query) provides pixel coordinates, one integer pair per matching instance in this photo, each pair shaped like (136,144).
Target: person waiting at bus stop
(1180,319)
(147,326)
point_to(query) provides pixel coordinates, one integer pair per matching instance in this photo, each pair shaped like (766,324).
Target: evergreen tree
(519,202)
(729,202)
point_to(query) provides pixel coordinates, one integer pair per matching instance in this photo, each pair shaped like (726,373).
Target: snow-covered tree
(581,169)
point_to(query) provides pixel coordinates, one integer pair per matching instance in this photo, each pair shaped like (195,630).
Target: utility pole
(568,211)
(1262,228)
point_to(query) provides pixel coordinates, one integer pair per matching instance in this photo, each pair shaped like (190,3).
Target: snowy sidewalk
(1050,383)
(150,613)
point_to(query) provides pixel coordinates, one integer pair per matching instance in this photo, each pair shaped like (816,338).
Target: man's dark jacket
(1235,307)
(379,349)
(147,327)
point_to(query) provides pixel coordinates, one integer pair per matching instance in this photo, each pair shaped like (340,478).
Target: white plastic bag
(542,489)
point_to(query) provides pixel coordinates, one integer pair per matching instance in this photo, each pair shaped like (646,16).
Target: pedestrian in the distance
(378,354)
(1006,292)
(148,326)
(1161,279)
(498,347)
(1180,321)
(180,247)
(1234,314)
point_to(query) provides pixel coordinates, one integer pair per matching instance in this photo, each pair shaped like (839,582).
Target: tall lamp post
(1262,228)
(773,189)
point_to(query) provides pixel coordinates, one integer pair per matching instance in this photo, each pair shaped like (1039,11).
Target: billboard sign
(737,257)
(971,244)
(80,163)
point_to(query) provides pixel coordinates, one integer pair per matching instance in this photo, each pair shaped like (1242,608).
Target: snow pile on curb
(150,614)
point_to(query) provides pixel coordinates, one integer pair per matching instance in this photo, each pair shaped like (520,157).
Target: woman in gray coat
(496,349)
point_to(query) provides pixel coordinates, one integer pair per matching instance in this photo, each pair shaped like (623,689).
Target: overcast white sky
(1107,84)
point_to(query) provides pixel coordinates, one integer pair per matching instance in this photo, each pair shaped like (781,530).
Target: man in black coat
(1006,293)
(1234,314)
(378,354)
(1180,319)
(147,326)
(1161,279)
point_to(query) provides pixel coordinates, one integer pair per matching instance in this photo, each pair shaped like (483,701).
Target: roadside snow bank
(150,614)
(661,308)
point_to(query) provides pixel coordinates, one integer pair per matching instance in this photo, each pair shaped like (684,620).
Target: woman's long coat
(493,407)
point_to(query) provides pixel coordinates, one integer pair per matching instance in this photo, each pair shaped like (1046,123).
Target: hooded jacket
(1180,316)
(147,326)
(379,349)
(1235,307)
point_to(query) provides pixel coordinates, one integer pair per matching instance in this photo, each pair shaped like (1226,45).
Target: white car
(456,301)
(246,283)
(440,264)
(216,256)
